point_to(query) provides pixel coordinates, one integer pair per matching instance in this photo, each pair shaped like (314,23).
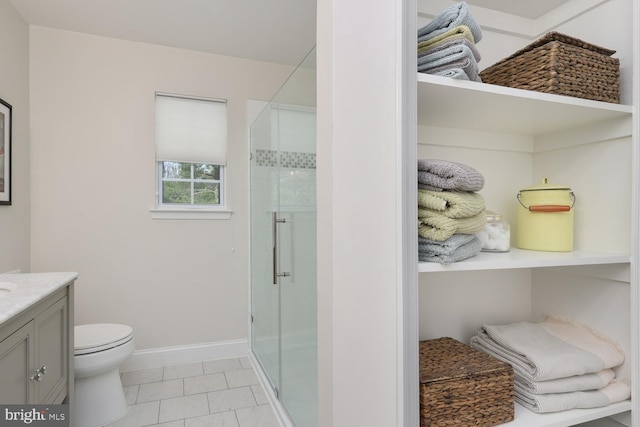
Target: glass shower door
(283,244)
(265,299)
(297,257)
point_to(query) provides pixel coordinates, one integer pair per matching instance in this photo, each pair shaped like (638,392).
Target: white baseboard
(178,355)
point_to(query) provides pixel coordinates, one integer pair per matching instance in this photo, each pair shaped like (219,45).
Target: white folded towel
(616,391)
(584,382)
(555,348)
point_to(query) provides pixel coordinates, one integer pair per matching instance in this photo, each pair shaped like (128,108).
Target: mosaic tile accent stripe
(266,158)
(288,159)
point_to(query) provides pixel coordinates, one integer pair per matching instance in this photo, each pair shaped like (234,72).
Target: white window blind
(191,129)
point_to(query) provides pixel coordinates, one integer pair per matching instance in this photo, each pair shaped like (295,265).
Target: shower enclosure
(283,244)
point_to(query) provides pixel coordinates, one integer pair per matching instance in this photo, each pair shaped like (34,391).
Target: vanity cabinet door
(51,353)
(16,361)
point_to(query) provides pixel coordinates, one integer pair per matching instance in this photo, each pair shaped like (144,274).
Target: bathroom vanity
(36,338)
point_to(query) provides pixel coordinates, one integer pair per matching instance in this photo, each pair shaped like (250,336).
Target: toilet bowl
(99,350)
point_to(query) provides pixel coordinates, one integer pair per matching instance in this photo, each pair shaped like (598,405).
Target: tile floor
(217,393)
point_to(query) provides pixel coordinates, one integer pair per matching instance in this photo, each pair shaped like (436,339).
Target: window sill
(190,213)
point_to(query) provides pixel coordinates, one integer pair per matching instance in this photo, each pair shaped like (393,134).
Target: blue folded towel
(453,16)
(456,248)
(454,73)
(469,67)
(456,56)
(443,56)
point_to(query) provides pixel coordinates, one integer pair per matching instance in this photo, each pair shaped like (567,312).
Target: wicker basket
(461,386)
(560,64)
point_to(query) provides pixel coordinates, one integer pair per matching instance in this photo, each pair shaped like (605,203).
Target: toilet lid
(100,336)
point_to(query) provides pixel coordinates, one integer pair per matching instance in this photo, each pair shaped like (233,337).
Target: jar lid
(493,216)
(544,185)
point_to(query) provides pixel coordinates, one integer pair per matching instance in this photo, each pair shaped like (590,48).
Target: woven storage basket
(462,386)
(560,64)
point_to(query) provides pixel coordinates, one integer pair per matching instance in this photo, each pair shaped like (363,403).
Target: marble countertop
(28,289)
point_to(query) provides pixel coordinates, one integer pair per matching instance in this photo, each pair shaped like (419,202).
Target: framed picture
(5,153)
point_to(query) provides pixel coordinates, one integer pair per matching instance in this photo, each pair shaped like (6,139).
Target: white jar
(496,234)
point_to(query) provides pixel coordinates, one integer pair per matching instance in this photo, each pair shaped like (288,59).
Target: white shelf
(518,258)
(484,107)
(526,418)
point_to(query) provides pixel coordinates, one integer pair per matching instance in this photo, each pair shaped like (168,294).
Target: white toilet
(100,349)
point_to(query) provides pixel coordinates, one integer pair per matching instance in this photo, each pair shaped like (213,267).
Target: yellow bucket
(545,218)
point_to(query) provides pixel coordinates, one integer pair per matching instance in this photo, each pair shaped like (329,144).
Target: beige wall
(176,282)
(14,89)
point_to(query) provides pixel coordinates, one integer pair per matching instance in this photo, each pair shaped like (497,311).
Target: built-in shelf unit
(516,138)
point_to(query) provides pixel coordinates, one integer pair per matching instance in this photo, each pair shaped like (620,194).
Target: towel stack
(558,364)
(446,45)
(450,211)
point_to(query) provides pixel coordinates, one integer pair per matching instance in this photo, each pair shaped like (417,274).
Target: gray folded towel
(457,248)
(453,16)
(446,175)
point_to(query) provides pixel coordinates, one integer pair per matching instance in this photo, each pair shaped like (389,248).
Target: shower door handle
(274,232)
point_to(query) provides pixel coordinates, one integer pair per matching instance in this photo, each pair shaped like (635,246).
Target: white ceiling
(279,31)
(527,9)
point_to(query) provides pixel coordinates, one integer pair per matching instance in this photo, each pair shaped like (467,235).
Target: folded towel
(460,41)
(446,247)
(438,227)
(456,248)
(461,31)
(554,348)
(446,175)
(458,56)
(468,65)
(453,204)
(453,16)
(454,73)
(584,382)
(616,391)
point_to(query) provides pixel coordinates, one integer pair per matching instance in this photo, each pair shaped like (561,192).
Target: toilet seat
(93,338)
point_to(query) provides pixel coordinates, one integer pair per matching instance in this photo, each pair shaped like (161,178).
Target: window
(191,146)
(190,184)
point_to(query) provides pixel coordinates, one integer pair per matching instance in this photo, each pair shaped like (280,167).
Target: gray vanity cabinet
(16,360)
(51,351)
(34,350)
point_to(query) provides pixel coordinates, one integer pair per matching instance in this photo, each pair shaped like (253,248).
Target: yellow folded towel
(435,226)
(453,204)
(454,33)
